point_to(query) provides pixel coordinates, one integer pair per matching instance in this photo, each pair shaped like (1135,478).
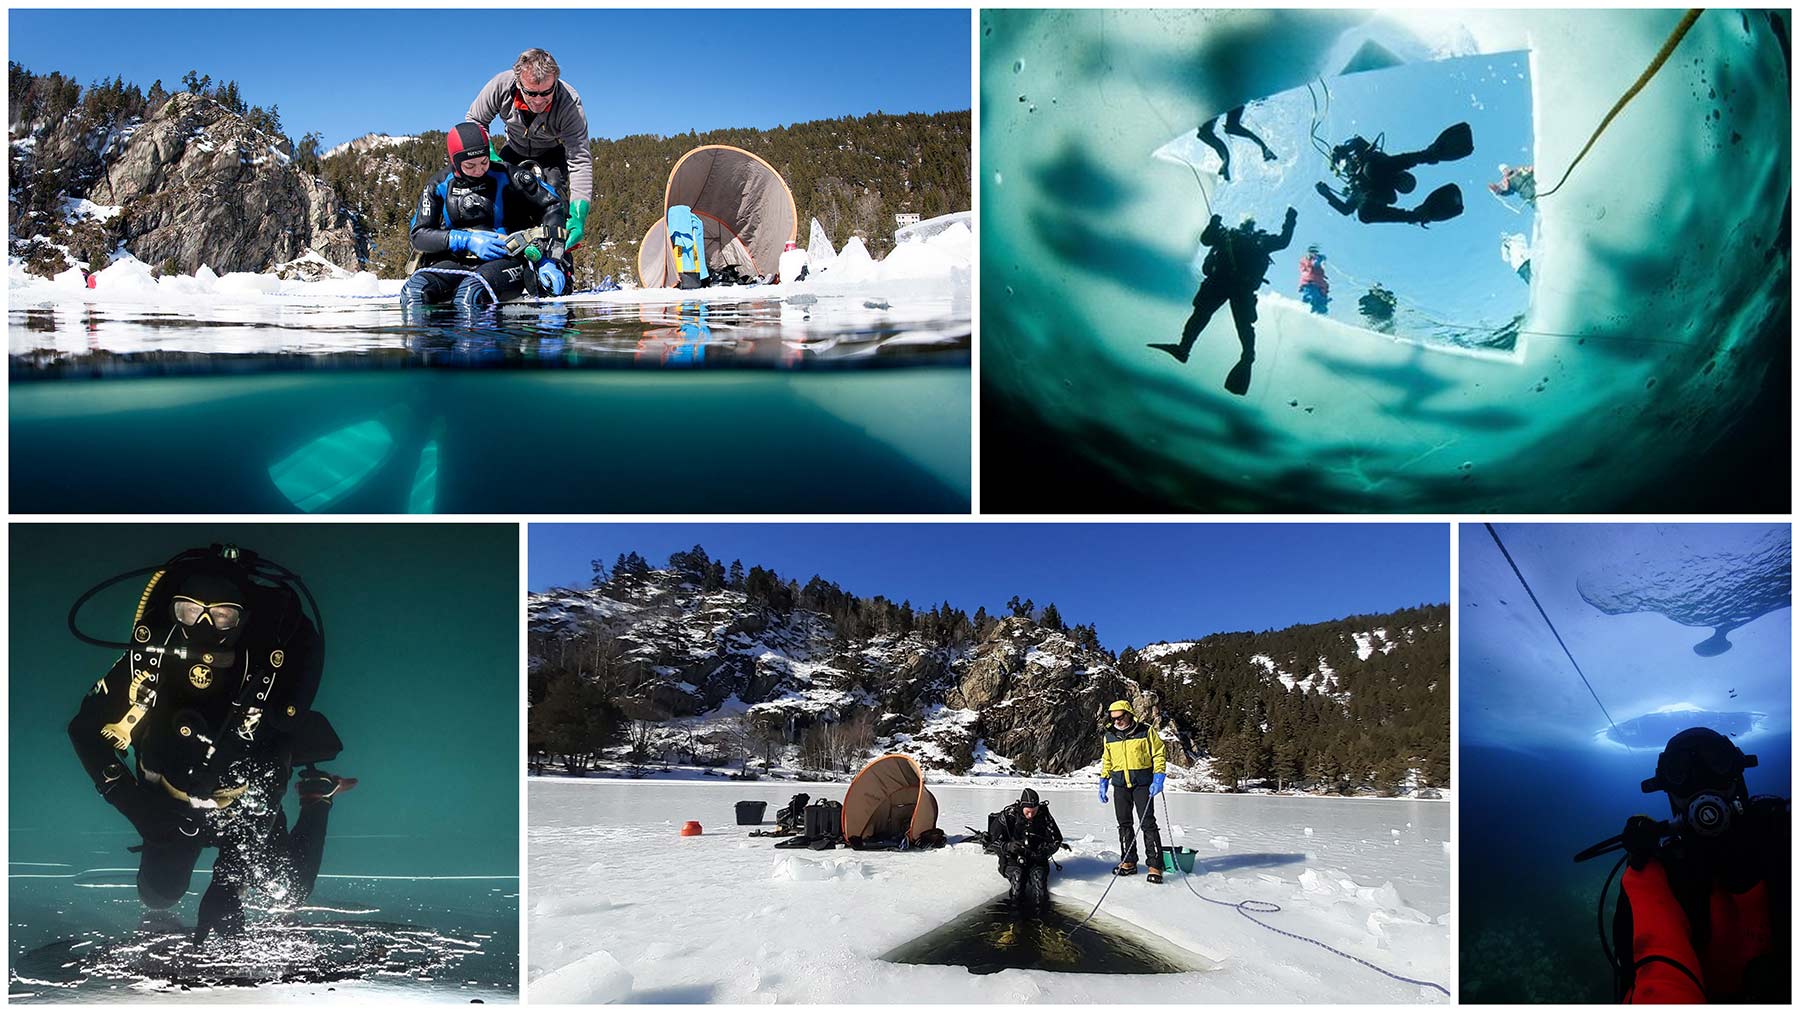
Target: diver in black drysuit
(1234,125)
(1374,179)
(1234,269)
(1026,836)
(470,231)
(213,696)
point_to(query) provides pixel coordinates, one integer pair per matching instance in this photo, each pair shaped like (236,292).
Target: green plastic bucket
(1179,858)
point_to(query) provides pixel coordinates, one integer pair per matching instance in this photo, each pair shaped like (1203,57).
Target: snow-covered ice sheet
(622,908)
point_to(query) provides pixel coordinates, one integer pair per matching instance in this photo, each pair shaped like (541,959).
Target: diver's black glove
(155,818)
(1293,214)
(1642,837)
(1324,191)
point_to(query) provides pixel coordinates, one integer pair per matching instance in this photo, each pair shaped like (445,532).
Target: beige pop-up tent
(888,800)
(744,205)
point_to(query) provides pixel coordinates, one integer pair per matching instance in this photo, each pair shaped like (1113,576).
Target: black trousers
(1136,799)
(1214,294)
(1028,881)
(435,284)
(260,847)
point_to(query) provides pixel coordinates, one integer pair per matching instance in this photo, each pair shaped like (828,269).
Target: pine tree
(1287,763)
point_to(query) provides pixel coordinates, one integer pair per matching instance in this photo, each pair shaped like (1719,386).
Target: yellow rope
(1675,37)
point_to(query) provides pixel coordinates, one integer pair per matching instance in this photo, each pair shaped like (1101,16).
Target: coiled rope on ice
(1251,908)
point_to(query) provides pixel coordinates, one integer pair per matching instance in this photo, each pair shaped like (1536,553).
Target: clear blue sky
(345,73)
(1138,583)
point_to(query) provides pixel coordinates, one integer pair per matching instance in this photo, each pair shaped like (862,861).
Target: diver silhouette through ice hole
(1374,180)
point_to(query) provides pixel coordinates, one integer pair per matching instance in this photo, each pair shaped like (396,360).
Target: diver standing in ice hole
(1234,269)
(1027,836)
(213,696)
(1234,125)
(1374,179)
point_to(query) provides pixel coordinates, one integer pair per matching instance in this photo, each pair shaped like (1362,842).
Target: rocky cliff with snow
(705,672)
(1023,698)
(187,183)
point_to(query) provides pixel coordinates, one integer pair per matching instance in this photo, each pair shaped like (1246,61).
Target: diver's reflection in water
(452,336)
(997,936)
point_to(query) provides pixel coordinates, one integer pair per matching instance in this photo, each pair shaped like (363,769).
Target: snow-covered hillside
(367,143)
(715,683)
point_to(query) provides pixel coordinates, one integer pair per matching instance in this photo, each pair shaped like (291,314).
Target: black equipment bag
(791,816)
(824,819)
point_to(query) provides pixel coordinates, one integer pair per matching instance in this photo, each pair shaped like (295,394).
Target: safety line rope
(1547,622)
(1675,37)
(1251,908)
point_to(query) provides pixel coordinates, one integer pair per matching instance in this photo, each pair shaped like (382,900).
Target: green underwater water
(495,441)
(422,640)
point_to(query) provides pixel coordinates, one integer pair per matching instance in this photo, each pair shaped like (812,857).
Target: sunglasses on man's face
(537,94)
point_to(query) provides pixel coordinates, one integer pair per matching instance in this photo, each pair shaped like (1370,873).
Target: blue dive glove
(488,245)
(1156,782)
(1103,783)
(459,240)
(551,278)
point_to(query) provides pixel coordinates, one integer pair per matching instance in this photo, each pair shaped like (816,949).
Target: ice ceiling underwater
(1658,287)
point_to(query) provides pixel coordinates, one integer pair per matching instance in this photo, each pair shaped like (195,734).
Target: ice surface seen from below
(1657,271)
(1519,690)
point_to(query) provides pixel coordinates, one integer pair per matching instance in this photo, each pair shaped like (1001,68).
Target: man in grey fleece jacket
(544,122)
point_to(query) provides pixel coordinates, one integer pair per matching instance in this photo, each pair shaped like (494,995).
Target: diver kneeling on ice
(1133,766)
(461,231)
(1026,836)
(1374,179)
(1235,267)
(1705,909)
(213,699)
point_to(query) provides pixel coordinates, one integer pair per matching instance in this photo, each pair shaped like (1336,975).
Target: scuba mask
(1347,158)
(208,607)
(1702,772)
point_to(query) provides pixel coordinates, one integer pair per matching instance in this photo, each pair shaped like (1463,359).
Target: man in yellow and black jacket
(1132,765)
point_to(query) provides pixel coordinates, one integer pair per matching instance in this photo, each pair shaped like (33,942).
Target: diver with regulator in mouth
(1705,909)
(1374,180)
(195,731)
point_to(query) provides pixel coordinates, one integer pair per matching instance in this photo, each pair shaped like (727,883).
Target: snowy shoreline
(935,781)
